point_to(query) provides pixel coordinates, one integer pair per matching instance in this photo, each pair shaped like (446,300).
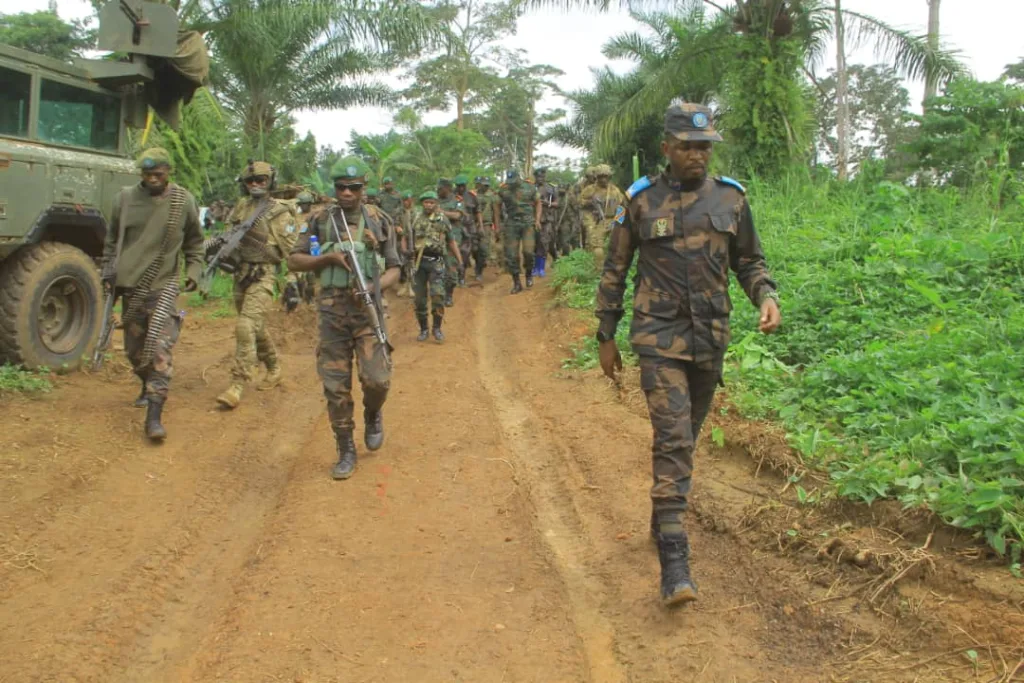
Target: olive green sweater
(144,217)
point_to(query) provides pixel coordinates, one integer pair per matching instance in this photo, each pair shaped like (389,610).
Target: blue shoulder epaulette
(729,181)
(638,187)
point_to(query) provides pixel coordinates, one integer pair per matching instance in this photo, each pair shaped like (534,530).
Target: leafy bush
(18,380)
(900,365)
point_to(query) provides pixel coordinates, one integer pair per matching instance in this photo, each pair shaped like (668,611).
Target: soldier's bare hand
(771,317)
(338,258)
(611,359)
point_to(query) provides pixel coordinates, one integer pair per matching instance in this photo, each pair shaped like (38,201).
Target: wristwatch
(770,294)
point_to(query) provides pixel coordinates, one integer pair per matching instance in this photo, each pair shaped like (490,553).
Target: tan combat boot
(232,397)
(272,379)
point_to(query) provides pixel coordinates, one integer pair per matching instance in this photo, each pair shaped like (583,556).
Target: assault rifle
(362,291)
(109,277)
(226,244)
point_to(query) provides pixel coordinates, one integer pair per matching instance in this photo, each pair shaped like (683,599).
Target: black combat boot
(438,334)
(529,279)
(449,301)
(654,527)
(479,272)
(517,286)
(676,584)
(373,435)
(422,336)
(141,401)
(154,430)
(346,456)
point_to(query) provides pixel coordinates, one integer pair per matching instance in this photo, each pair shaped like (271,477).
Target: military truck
(63,158)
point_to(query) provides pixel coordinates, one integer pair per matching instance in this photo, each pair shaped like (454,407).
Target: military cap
(407,194)
(429,194)
(304,198)
(691,122)
(371,192)
(153,158)
(257,168)
(485,180)
(388,179)
(478,179)
(349,167)
(442,182)
(602,170)
(542,170)
(511,174)
(461,179)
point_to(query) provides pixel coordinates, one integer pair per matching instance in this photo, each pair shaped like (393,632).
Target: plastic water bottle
(314,245)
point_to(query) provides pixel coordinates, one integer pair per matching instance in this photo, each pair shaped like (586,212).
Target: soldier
(566,221)
(689,230)
(372,196)
(475,245)
(431,237)
(152,225)
(550,208)
(405,244)
(579,236)
(266,243)
(390,200)
(453,209)
(598,203)
(345,324)
(490,210)
(300,286)
(522,204)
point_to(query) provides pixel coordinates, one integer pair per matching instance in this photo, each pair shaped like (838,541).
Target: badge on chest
(661,227)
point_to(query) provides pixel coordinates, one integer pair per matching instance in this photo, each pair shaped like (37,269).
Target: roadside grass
(899,369)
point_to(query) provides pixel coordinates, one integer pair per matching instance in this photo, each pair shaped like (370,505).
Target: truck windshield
(16,88)
(76,116)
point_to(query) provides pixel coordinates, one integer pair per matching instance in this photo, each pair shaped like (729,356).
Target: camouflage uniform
(432,234)
(453,273)
(391,203)
(520,201)
(688,238)
(565,221)
(550,208)
(597,206)
(345,328)
(490,205)
(157,232)
(302,286)
(265,245)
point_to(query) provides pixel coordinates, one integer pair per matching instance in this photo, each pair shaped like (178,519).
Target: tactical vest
(431,234)
(252,249)
(523,198)
(337,276)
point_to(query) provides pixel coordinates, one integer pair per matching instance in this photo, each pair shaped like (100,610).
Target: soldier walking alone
(690,230)
(345,325)
(152,225)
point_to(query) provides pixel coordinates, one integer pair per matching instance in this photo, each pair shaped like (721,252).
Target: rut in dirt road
(499,535)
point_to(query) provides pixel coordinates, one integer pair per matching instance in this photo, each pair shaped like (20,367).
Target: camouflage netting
(177,78)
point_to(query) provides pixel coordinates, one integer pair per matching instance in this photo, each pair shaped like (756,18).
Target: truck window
(76,116)
(16,88)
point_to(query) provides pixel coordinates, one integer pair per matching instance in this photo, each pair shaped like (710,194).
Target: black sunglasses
(351,187)
(255,179)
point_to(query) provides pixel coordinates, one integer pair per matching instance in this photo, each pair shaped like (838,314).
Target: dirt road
(500,534)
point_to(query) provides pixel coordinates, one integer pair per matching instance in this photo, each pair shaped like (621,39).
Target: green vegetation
(14,379)
(898,369)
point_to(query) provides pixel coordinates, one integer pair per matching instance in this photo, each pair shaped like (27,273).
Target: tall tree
(931,83)
(460,73)
(272,57)
(842,106)
(47,34)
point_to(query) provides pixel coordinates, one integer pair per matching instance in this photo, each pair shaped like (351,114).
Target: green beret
(349,167)
(305,198)
(429,194)
(461,179)
(154,157)
(443,181)
(407,195)
(388,179)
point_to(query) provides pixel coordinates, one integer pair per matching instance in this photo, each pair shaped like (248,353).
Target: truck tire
(50,306)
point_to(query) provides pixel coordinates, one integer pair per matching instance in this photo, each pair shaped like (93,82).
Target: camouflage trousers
(345,332)
(156,374)
(305,283)
(679,395)
(597,237)
(516,236)
(480,249)
(253,344)
(547,240)
(568,235)
(495,247)
(428,280)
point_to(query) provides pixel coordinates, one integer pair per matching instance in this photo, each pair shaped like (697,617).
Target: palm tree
(385,154)
(271,57)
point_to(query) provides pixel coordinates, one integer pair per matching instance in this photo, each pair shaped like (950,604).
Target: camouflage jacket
(489,206)
(688,241)
(379,232)
(391,203)
(470,209)
(273,235)
(549,203)
(454,204)
(432,233)
(519,203)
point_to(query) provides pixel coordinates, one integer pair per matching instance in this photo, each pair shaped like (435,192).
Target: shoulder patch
(638,187)
(620,215)
(304,228)
(729,181)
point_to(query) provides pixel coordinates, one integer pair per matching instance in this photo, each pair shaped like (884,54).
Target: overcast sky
(986,32)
